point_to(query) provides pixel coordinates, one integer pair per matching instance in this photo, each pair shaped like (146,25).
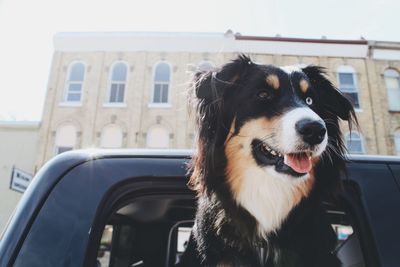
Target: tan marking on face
(304,85)
(272,80)
(269,196)
(238,148)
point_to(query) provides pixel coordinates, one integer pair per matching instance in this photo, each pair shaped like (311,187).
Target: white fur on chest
(268,196)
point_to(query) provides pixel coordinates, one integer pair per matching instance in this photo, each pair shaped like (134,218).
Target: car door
(67,220)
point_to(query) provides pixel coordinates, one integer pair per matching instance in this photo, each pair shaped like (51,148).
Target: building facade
(129,90)
(18,143)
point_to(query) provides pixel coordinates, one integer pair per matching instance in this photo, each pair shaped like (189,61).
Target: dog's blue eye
(309,101)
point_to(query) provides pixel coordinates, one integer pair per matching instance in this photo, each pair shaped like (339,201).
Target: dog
(269,151)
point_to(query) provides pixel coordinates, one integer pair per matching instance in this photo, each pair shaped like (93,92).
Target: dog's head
(263,127)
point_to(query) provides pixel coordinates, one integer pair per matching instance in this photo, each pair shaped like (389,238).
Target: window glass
(118,83)
(162,72)
(354,143)
(75,82)
(393,89)
(119,72)
(77,72)
(346,80)
(161,83)
(103,254)
(348,85)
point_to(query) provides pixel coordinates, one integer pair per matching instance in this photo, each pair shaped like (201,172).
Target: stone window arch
(111,136)
(158,137)
(66,137)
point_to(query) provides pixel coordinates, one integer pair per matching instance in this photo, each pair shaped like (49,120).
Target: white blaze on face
(290,138)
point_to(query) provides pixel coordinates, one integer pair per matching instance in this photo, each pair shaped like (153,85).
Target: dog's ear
(332,100)
(211,85)
(210,95)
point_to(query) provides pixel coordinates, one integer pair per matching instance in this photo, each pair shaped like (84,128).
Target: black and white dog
(269,149)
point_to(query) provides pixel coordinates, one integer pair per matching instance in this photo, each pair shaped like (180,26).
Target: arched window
(162,77)
(74,84)
(397,141)
(119,73)
(158,137)
(393,88)
(347,81)
(354,143)
(65,138)
(204,66)
(111,137)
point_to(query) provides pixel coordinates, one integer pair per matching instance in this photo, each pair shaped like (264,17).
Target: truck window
(155,233)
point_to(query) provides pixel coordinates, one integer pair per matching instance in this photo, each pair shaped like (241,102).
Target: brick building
(128,90)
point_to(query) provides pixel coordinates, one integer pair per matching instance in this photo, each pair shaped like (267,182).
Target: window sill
(358,110)
(159,105)
(70,104)
(114,105)
(393,111)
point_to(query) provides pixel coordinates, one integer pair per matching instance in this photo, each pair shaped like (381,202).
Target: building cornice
(207,42)
(300,40)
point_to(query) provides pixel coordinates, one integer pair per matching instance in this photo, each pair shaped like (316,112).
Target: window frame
(167,104)
(347,69)
(67,84)
(110,82)
(385,76)
(361,138)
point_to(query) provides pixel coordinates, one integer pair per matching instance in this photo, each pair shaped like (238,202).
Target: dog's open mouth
(295,164)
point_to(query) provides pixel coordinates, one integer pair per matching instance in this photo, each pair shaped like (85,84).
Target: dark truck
(133,208)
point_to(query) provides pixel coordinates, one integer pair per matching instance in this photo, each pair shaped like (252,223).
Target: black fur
(305,238)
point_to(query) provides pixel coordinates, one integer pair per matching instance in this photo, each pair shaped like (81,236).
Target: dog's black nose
(312,131)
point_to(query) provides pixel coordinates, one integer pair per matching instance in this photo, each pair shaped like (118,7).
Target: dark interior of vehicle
(152,231)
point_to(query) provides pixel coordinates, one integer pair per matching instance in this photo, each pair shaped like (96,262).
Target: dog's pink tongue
(300,163)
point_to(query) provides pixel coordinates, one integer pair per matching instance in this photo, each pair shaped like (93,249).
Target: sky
(27,28)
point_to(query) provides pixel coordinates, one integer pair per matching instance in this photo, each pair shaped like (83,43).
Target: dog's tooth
(273,152)
(280,155)
(285,159)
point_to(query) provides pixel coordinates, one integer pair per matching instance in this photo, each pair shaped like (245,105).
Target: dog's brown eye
(263,95)
(309,101)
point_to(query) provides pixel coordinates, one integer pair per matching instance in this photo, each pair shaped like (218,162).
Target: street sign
(20,180)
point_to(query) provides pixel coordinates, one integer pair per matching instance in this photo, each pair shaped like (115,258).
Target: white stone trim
(200,43)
